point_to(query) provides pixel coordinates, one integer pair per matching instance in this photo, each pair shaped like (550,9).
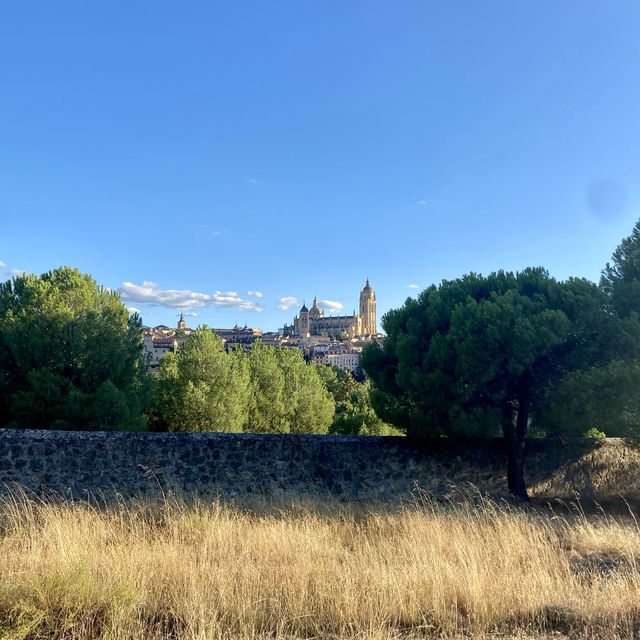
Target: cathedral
(313,322)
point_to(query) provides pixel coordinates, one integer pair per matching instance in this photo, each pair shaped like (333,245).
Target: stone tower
(182,325)
(315,312)
(368,309)
(303,322)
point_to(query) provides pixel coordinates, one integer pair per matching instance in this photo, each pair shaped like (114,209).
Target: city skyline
(210,160)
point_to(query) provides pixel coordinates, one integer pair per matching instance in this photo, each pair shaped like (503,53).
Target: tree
(480,355)
(267,399)
(70,355)
(201,387)
(606,398)
(287,395)
(620,279)
(310,405)
(354,414)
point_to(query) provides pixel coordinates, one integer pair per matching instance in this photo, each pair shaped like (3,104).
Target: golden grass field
(474,568)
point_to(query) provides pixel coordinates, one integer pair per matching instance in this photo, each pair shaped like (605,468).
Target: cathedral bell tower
(304,321)
(368,309)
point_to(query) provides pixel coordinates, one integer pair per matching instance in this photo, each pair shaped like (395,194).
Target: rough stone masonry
(78,464)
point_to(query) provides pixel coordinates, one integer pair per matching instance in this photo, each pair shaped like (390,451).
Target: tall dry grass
(172,570)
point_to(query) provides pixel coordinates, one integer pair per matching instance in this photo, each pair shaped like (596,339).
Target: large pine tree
(70,355)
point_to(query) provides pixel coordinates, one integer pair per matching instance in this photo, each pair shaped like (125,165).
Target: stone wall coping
(56,434)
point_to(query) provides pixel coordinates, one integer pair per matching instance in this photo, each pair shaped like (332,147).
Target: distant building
(242,336)
(160,340)
(337,354)
(312,322)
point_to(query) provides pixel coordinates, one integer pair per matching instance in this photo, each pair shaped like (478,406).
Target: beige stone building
(313,322)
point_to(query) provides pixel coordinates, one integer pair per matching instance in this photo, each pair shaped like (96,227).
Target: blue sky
(217,151)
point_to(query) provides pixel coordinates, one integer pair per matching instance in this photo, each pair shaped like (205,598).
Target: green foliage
(268,390)
(201,388)
(70,355)
(595,433)
(465,353)
(621,277)
(354,414)
(310,407)
(606,397)
(480,355)
(268,407)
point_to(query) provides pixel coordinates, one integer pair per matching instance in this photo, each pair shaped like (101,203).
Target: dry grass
(172,570)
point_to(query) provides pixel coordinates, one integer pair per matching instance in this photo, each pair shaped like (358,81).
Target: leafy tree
(608,397)
(201,387)
(267,400)
(70,355)
(605,398)
(354,414)
(287,395)
(310,407)
(621,277)
(479,355)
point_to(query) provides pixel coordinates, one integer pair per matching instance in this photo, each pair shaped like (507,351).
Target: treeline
(71,357)
(511,354)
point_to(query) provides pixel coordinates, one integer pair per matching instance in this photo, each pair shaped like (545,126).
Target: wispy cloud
(287,302)
(413,286)
(252,181)
(422,203)
(2,264)
(330,305)
(152,293)
(255,294)
(133,310)
(209,230)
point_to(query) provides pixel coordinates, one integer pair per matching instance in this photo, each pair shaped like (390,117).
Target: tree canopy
(354,414)
(607,397)
(620,279)
(70,355)
(202,387)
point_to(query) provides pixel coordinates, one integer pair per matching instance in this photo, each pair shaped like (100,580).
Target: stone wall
(350,468)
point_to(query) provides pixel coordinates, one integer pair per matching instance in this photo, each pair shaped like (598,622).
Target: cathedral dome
(368,289)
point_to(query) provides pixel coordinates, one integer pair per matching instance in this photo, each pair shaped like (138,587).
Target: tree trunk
(514,439)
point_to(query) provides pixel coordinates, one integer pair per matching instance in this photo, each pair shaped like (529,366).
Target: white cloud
(287,302)
(422,203)
(212,231)
(6,272)
(330,305)
(252,181)
(255,294)
(413,286)
(151,293)
(133,310)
